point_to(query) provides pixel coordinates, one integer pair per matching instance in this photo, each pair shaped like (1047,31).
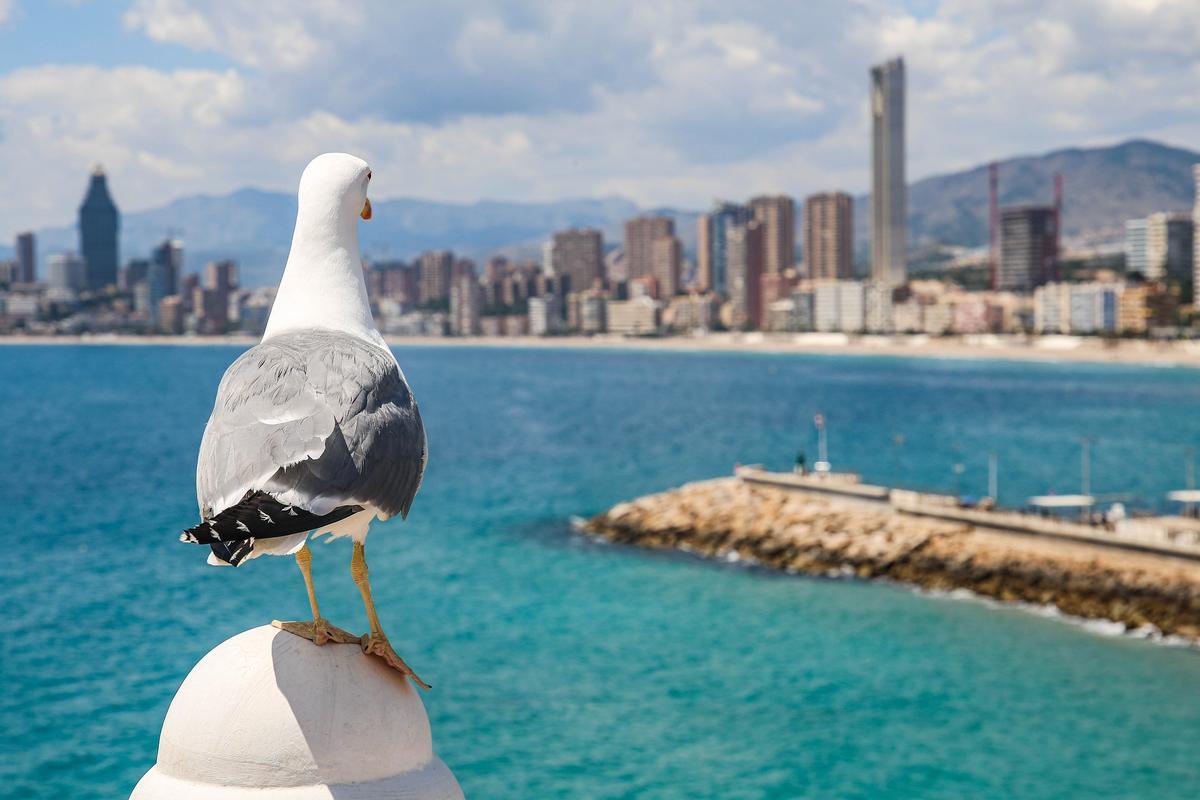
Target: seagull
(314,430)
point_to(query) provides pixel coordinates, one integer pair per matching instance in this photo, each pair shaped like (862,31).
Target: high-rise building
(1169,246)
(171,314)
(1196,227)
(666,257)
(1135,246)
(26,258)
(578,254)
(889,203)
(714,268)
(829,235)
(434,271)
(134,273)
(187,290)
(66,272)
(704,253)
(640,235)
(1028,248)
(221,276)
(744,249)
(211,309)
(160,278)
(777,214)
(466,305)
(167,258)
(98,224)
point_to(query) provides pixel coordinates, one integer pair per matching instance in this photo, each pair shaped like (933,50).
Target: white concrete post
(269,714)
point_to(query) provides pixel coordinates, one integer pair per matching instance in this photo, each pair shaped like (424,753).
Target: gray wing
(316,419)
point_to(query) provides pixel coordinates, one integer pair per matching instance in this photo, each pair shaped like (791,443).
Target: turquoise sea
(568,669)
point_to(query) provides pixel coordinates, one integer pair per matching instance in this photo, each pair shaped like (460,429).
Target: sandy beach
(1066,349)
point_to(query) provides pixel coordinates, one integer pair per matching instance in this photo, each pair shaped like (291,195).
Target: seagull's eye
(368,174)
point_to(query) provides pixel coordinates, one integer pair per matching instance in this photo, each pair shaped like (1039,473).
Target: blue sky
(674,102)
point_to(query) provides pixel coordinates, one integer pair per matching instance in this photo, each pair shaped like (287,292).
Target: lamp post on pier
(822,465)
(1085,464)
(993,477)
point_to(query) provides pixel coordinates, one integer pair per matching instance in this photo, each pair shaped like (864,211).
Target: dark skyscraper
(98,223)
(167,259)
(26,258)
(1027,248)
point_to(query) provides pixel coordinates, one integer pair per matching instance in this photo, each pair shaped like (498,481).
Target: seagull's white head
(336,184)
(322,284)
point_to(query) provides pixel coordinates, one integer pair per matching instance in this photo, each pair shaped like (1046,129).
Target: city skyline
(790,116)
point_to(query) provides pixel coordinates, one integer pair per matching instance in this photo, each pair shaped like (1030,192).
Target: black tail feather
(232,533)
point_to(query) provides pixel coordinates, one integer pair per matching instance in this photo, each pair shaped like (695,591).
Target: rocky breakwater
(815,534)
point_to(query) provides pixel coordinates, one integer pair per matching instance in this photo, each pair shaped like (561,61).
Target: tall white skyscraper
(1196,229)
(889,201)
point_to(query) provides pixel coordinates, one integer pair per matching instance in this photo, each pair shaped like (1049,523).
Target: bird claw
(319,631)
(379,646)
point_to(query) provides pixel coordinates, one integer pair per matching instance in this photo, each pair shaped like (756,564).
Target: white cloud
(668,103)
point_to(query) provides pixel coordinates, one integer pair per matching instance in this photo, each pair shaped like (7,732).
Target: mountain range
(1104,186)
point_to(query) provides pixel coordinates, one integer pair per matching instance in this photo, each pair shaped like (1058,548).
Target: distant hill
(1104,186)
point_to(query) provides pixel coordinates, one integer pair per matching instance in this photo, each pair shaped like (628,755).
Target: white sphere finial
(269,714)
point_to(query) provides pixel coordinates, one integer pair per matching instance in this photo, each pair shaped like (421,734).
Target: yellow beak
(366,212)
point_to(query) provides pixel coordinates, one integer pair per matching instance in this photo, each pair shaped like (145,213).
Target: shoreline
(1049,349)
(792,531)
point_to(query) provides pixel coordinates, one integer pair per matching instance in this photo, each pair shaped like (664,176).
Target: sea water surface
(566,668)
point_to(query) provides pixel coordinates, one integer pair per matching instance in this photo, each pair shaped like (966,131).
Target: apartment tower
(829,235)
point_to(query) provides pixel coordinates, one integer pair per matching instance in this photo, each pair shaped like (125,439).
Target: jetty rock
(810,532)
(269,714)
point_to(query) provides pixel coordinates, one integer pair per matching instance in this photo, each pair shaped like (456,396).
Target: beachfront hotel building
(713,256)
(829,236)
(777,215)
(889,203)
(435,269)
(839,306)
(744,254)
(578,254)
(640,235)
(666,263)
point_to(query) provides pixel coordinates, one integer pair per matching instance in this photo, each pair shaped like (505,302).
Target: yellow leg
(319,630)
(375,643)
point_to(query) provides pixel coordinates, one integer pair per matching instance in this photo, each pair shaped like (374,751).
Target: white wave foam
(1107,628)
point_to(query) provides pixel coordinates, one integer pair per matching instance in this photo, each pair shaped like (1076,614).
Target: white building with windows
(839,306)
(636,317)
(1135,246)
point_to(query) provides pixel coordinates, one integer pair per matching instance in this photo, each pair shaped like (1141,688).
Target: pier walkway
(1171,536)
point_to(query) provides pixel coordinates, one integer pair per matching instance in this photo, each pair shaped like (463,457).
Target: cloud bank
(666,103)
